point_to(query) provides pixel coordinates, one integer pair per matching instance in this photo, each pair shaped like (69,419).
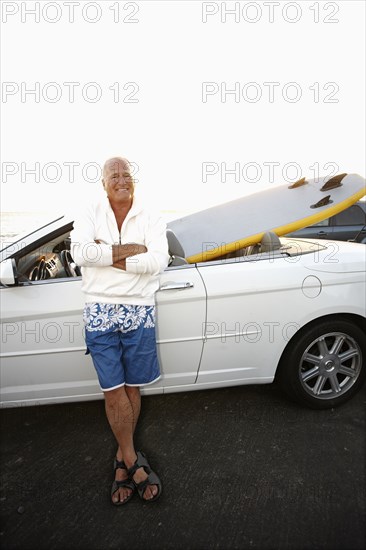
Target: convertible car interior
(52,258)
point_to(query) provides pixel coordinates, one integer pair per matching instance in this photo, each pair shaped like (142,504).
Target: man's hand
(121,264)
(123,251)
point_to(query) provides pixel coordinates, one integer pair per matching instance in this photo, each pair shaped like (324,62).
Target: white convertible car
(285,309)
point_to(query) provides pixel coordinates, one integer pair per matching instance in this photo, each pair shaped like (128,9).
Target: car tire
(325,365)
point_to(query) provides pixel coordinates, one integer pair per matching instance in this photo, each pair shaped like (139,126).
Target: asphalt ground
(241,467)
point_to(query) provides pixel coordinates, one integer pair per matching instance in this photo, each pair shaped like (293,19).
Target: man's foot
(151,490)
(123,487)
(147,482)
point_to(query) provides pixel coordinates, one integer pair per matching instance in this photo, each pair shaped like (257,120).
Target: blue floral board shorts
(122,343)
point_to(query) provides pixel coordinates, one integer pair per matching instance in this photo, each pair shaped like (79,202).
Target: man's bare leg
(123,408)
(134,396)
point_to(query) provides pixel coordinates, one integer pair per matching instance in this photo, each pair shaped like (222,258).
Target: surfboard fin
(323,202)
(334,182)
(298,183)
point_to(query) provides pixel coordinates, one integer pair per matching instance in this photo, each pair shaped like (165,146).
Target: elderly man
(122,248)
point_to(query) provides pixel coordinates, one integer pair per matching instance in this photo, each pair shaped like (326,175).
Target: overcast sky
(208,100)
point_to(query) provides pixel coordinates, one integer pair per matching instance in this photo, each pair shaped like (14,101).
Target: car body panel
(44,350)
(250,318)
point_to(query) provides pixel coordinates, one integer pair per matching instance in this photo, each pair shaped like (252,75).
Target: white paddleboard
(222,229)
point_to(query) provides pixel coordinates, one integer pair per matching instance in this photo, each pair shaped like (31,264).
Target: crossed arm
(122,251)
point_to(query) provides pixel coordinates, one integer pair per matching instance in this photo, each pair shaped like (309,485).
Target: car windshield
(17,225)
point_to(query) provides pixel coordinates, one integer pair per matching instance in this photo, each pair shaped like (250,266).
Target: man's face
(117,181)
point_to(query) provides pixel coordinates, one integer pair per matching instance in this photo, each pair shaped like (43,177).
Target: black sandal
(152,478)
(129,483)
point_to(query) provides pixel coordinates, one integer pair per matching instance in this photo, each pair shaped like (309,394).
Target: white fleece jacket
(106,284)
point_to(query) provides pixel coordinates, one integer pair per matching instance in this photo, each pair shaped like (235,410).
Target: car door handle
(176,286)
(321,233)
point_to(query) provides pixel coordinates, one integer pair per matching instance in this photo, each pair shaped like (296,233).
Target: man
(122,249)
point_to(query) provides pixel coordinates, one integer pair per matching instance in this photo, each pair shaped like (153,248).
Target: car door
(180,316)
(321,230)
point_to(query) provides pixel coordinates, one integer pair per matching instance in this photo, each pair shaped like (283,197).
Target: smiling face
(117,181)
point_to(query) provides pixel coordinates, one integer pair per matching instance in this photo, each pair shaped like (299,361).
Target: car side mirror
(8,272)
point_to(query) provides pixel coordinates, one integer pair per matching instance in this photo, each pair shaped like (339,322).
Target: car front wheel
(325,365)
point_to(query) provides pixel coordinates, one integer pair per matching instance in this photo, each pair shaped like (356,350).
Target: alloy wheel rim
(330,365)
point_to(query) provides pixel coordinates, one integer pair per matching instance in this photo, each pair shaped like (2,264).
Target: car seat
(269,243)
(176,251)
